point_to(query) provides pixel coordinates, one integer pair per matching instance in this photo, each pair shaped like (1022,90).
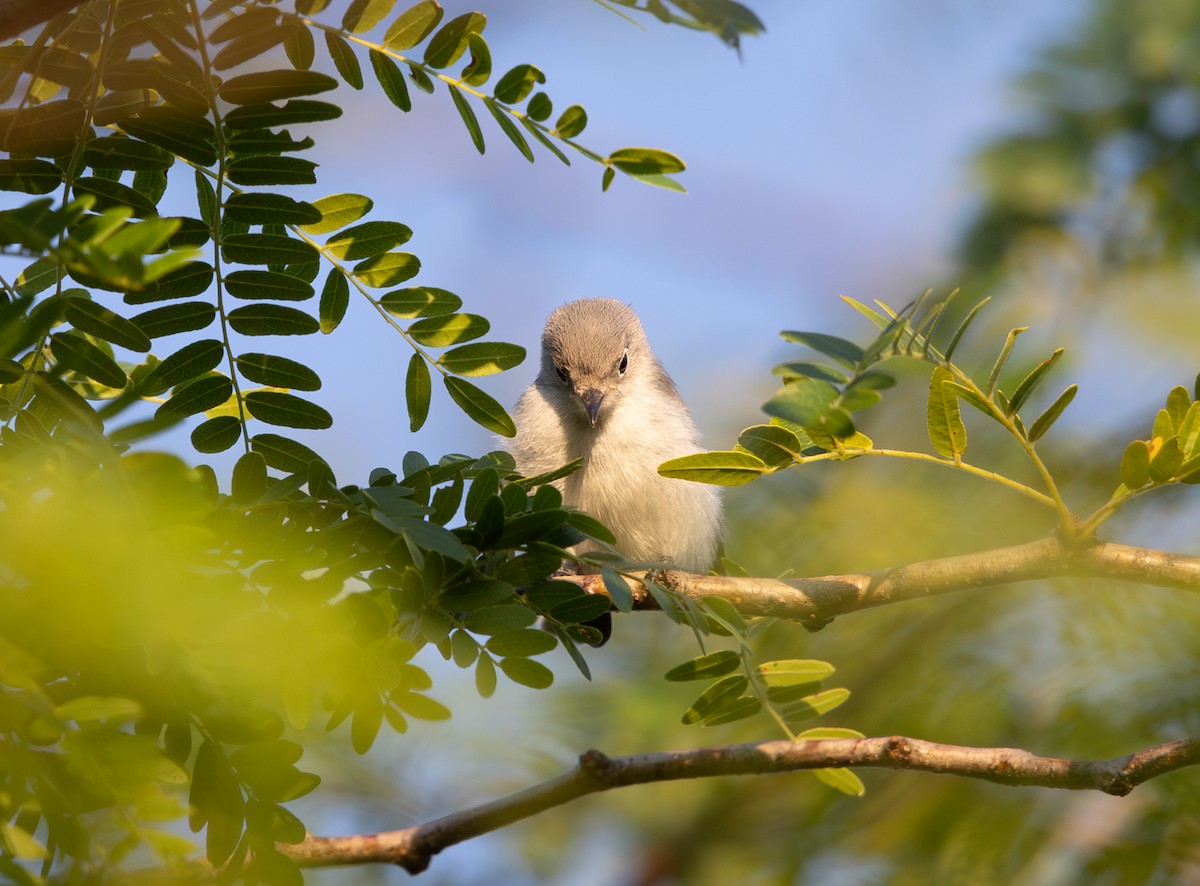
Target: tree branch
(413,848)
(816,601)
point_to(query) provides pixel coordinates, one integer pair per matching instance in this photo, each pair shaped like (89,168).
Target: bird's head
(592,348)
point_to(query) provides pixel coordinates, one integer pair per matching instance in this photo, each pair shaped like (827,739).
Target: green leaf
(216,434)
(509,128)
(93,318)
(522,642)
(387,269)
(263,318)
(300,49)
(367,239)
(413,25)
(267,284)
(715,697)
(196,396)
(216,800)
(775,445)
(479,69)
(450,42)
(809,403)
(287,410)
(468,118)
(422,706)
(706,667)
(947,432)
(482,358)
(391,80)
(1165,463)
(418,389)
(266,169)
(1050,416)
(793,672)
(738,709)
(537,133)
(362,15)
(499,619)
(1135,465)
(539,108)
(582,608)
(731,468)
(121,152)
(616,586)
(191,361)
(1002,359)
(190,136)
(278,372)
(571,122)
(646,161)
(580,521)
(271,86)
(77,353)
(335,298)
(344,59)
(269,116)
(173,319)
(110,194)
(527,672)
(965,393)
(515,85)
(30,176)
(420,301)
(845,352)
(1025,388)
(810,370)
(814,705)
(283,454)
(479,407)
(841,779)
(266,249)
(451,329)
(337,211)
(364,727)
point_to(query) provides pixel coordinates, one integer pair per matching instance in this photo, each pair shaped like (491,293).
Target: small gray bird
(603,395)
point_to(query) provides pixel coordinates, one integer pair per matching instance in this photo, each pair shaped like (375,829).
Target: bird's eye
(624,362)
(563,374)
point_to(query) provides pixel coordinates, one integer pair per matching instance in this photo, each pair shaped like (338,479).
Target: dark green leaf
(499,619)
(261,209)
(172,319)
(514,86)
(196,396)
(111,194)
(521,642)
(267,284)
(510,129)
(95,319)
(1025,388)
(278,372)
(810,370)
(30,176)
(266,249)
(271,86)
(269,116)
(391,80)
(287,410)
(845,352)
(479,407)
(706,667)
(190,361)
(647,161)
(715,697)
(268,319)
(776,446)
(335,298)
(580,609)
(283,454)
(1050,416)
(120,152)
(344,59)
(475,595)
(1002,359)
(418,389)
(805,401)
(738,709)
(527,672)
(77,353)
(266,169)
(190,136)
(468,118)
(216,434)
(300,49)
(962,328)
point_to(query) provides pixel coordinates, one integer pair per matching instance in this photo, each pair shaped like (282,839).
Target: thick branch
(413,848)
(815,601)
(19,15)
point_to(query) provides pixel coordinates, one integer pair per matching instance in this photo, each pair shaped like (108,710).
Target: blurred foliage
(173,652)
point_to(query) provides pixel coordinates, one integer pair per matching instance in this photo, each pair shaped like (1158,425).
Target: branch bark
(816,601)
(413,848)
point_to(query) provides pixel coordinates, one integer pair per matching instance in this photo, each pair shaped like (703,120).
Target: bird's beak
(592,398)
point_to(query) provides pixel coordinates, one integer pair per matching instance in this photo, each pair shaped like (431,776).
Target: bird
(601,395)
